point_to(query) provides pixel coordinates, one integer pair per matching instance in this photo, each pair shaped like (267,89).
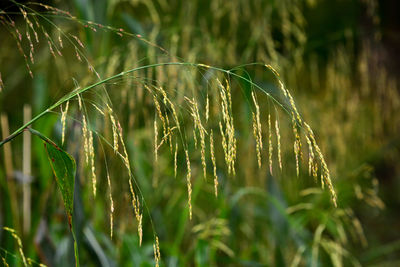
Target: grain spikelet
(125,156)
(111,205)
(114,128)
(278,140)
(198,125)
(296,144)
(257,140)
(281,85)
(136,208)
(214,164)
(19,242)
(1,83)
(223,143)
(77,40)
(259,132)
(155,141)
(311,157)
(91,155)
(4,262)
(30,24)
(228,134)
(135,200)
(85,138)
(189,183)
(207,107)
(77,54)
(140,229)
(157,255)
(79,99)
(287,94)
(174,114)
(195,136)
(176,159)
(98,109)
(26,59)
(270,147)
(63,121)
(167,130)
(204,65)
(60,42)
(325,175)
(293,105)
(166,138)
(296,149)
(257,129)
(49,42)
(160,115)
(18,38)
(169,133)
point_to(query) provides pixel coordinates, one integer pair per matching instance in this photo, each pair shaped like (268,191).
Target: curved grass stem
(74,93)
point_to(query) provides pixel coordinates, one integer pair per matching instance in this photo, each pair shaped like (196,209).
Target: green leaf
(64,168)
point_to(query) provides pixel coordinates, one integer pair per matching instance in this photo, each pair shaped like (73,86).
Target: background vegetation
(338,59)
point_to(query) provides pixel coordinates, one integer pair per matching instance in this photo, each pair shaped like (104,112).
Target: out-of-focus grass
(350,99)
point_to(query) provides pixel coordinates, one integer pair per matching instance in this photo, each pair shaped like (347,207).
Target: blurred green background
(340,60)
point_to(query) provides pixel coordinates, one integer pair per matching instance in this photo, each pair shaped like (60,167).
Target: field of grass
(198,133)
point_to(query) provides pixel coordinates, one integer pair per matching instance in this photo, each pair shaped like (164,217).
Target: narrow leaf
(64,168)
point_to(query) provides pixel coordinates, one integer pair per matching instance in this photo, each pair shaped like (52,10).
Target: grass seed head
(270,147)
(92,162)
(257,140)
(4,262)
(19,243)
(63,121)
(136,207)
(227,132)
(278,140)
(176,159)
(85,138)
(111,205)
(189,183)
(157,254)
(207,108)
(214,164)
(114,128)
(1,83)
(199,126)
(325,175)
(155,141)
